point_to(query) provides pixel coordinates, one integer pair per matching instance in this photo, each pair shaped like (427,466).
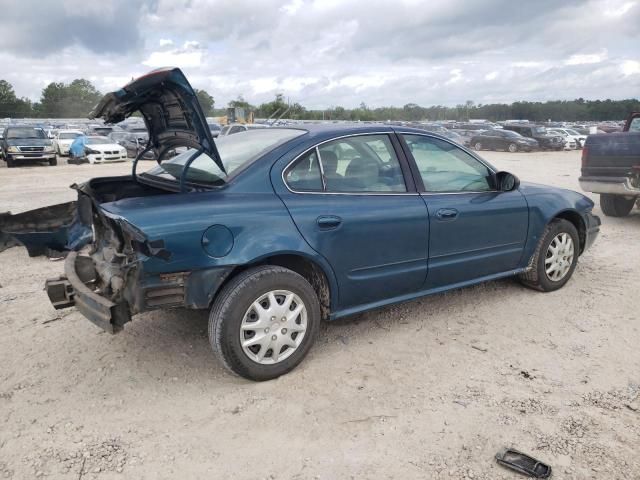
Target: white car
(63,140)
(104,150)
(239,127)
(571,134)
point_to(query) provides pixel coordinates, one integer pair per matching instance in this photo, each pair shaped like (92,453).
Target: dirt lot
(429,389)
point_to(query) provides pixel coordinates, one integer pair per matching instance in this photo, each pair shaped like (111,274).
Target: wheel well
(310,270)
(578,222)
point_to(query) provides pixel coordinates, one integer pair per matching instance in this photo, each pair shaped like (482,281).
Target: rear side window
(304,175)
(364,163)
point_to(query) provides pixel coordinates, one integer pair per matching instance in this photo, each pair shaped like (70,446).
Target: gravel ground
(428,389)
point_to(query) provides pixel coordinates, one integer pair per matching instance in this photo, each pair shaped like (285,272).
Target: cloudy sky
(323,53)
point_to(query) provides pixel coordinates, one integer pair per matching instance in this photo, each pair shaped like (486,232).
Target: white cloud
(174,58)
(580,59)
(630,67)
(334,52)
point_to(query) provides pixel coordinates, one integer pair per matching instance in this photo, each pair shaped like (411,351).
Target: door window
(445,167)
(304,175)
(365,163)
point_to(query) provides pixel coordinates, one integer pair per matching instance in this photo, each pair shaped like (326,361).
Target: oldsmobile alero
(277,229)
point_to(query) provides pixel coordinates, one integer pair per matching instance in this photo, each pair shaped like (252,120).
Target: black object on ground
(523,463)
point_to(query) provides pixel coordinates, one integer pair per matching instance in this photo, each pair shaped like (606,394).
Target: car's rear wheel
(616,205)
(477,146)
(264,321)
(513,148)
(555,257)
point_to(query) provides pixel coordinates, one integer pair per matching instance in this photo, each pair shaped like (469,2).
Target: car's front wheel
(616,205)
(264,321)
(555,257)
(477,146)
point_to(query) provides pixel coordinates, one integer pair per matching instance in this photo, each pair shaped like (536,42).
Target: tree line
(77,98)
(65,100)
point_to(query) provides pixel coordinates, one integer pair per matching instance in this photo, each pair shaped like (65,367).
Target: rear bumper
(72,290)
(612,185)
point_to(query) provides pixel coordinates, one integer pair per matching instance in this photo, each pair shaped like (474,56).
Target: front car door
(475,230)
(350,201)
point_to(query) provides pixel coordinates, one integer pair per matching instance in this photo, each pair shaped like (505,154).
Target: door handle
(447,213)
(327,222)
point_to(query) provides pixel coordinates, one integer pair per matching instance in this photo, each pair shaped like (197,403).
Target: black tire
(10,162)
(477,146)
(233,302)
(536,277)
(616,205)
(512,147)
(53,162)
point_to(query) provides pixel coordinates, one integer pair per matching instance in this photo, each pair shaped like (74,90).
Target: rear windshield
(236,152)
(25,133)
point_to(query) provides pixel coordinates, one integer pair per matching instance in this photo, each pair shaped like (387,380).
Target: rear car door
(350,201)
(475,230)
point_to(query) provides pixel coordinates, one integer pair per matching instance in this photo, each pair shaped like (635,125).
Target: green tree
(206,102)
(76,99)
(12,106)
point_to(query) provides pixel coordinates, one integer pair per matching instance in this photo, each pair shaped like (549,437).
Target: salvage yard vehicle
(572,135)
(611,167)
(100,149)
(22,144)
(506,140)
(274,230)
(233,128)
(546,141)
(63,140)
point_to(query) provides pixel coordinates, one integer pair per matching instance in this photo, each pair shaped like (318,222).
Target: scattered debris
(372,417)
(523,463)
(481,349)
(526,375)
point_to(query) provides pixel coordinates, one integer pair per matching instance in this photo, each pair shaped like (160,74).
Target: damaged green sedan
(275,229)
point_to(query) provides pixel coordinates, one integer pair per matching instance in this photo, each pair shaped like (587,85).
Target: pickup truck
(22,144)
(611,167)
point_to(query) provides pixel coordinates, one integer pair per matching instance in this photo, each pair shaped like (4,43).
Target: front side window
(634,126)
(447,168)
(364,163)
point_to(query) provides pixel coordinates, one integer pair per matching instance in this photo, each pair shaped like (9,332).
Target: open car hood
(170,110)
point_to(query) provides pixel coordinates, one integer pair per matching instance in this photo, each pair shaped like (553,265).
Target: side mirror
(506,182)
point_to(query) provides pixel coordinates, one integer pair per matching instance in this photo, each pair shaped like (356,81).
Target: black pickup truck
(26,143)
(611,167)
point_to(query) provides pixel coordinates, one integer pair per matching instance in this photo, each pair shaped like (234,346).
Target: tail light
(585,154)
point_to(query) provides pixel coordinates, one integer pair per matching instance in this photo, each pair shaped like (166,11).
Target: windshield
(539,130)
(68,136)
(236,151)
(98,140)
(25,133)
(571,131)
